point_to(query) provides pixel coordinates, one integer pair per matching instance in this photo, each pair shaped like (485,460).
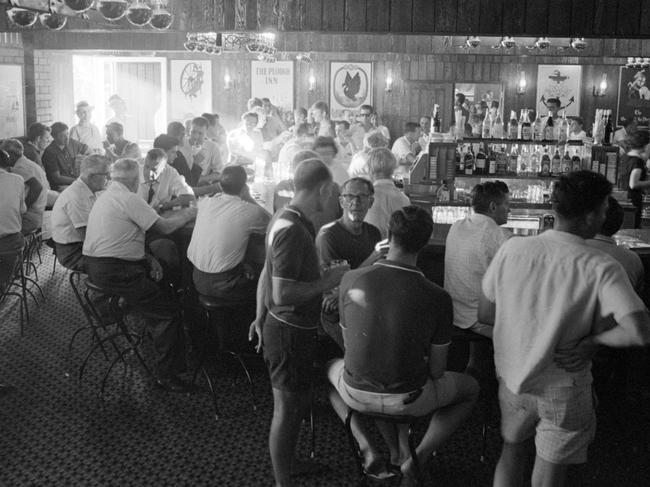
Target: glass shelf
(478,140)
(502,176)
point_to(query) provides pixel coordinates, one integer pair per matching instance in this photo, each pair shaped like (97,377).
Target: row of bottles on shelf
(520,161)
(603,128)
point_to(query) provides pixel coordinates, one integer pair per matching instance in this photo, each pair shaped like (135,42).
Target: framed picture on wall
(273,81)
(634,96)
(562,82)
(191,89)
(350,87)
(12,101)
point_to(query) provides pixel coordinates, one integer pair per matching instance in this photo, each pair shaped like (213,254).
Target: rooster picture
(351,86)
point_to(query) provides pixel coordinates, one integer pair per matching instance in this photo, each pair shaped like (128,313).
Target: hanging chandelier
(261,44)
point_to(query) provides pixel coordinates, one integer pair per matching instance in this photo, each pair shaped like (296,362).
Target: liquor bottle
(556,162)
(481,162)
(435,120)
(535,164)
(492,162)
(487,123)
(576,161)
(502,162)
(469,161)
(522,162)
(513,127)
(566,162)
(563,134)
(497,127)
(546,163)
(538,128)
(513,161)
(609,129)
(460,165)
(549,130)
(520,125)
(526,129)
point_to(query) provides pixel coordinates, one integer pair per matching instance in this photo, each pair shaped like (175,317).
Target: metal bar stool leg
(354,446)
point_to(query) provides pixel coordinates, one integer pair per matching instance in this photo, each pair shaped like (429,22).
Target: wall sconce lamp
(227,81)
(601,89)
(389,82)
(521,83)
(312,80)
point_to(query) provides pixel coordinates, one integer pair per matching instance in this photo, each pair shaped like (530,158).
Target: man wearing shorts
(288,309)
(393,318)
(545,295)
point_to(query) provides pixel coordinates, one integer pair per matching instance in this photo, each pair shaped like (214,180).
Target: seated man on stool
(116,261)
(397,329)
(221,236)
(471,246)
(71,210)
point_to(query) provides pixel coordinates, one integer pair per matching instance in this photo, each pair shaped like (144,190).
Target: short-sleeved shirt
(636,195)
(70,213)
(244,146)
(359,166)
(291,255)
(30,170)
(388,199)
(402,148)
(31,152)
(207,157)
(471,245)
(191,174)
(335,242)
(167,186)
(117,224)
(12,203)
(550,292)
(224,224)
(391,315)
(630,261)
(63,160)
(89,135)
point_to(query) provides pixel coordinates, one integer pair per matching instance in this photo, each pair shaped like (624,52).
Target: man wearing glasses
(72,207)
(363,125)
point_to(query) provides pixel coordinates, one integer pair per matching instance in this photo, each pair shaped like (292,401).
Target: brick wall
(42,85)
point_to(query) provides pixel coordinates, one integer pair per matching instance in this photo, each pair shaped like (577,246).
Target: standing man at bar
(363,127)
(85,131)
(544,296)
(288,309)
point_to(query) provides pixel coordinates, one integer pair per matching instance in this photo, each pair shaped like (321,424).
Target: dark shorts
(70,256)
(289,353)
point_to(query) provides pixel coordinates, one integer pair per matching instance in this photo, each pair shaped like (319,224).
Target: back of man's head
(5,160)
(175,128)
(165,142)
(410,228)
(410,127)
(94,163)
(381,163)
(200,122)
(613,218)
(12,147)
(302,155)
(254,102)
(638,139)
(374,140)
(212,120)
(489,192)
(233,180)
(311,174)
(579,193)
(125,170)
(57,128)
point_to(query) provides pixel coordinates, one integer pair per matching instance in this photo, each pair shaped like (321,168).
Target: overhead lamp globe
(21,17)
(53,21)
(161,19)
(112,10)
(78,6)
(139,14)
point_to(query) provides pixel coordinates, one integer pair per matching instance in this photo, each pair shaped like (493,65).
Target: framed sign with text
(273,81)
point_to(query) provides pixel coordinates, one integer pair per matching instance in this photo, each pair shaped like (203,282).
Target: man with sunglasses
(72,207)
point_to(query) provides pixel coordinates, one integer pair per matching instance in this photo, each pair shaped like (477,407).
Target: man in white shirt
(160,184)
(221,236)
(388,198)
(86,132)
(116,261)
(326,148)
(201,151)
(245,143)
(36,185)
(12,208)
(72,207)
(470,247)
(116,145)
(545,295)
(359,164)
(324,127)
(363,127)
(302,140)
(425,128)
(405,148)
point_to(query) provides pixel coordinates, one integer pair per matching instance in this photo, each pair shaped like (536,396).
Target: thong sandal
(384,474)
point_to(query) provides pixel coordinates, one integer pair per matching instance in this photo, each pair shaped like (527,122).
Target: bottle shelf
(478,140)
(503,176)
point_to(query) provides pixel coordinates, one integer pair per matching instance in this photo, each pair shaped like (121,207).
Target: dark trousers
(10,248)
(156,304)
(231,285)
(70,255)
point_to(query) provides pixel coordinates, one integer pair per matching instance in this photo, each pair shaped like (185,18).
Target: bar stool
(117,312)
(394,419)
(214,309)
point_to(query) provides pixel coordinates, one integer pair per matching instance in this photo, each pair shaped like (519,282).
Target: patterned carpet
(56,432)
